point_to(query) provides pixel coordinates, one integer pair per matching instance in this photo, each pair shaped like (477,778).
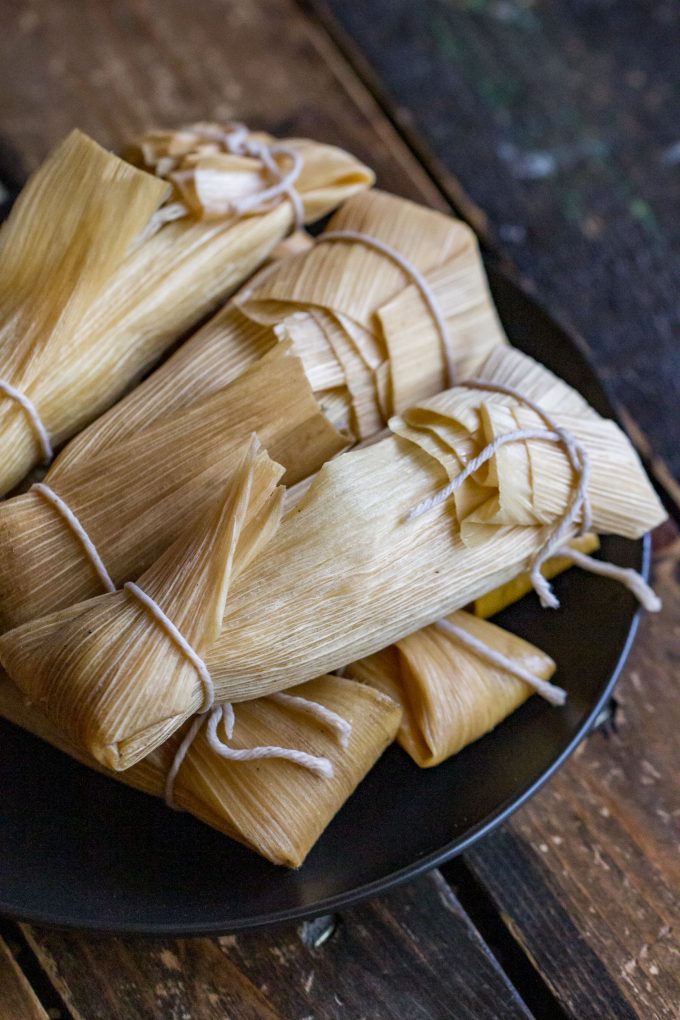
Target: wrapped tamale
(133,444)
(140,493)
(92,297)
(273,805)
(352,568)
(451,694)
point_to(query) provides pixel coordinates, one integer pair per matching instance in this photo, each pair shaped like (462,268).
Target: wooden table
(558,120)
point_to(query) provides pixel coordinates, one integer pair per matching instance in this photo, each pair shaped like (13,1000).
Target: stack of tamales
(171,621)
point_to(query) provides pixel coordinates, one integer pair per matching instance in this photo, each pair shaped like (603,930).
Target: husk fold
(451,696)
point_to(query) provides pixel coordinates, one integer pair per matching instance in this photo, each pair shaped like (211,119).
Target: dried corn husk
(66,236)
(114,636)
(347,305)
(492,603)
(140,493)
(145,296)
(273,806)
(349,573)
(450,695)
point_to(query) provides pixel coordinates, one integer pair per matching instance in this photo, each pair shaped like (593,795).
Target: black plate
(77,849)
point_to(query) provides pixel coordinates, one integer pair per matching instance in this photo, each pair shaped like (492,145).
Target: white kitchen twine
(555,695)
(79,531)
(578,506)
(236,140)
(34,419)
(225,714)
(414,275)
(175,635)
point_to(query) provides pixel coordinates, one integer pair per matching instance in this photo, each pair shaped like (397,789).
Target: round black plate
(77,849)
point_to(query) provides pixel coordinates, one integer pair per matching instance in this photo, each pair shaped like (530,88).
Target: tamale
(113,307)
(352,569)
(311,299)
(42,569)
(450,694)
(143,491)
(492,603)
(272,805)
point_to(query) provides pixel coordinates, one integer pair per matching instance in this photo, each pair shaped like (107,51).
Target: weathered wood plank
(411,953)
(559,121)
(115,69)
(587,874)
(17,999)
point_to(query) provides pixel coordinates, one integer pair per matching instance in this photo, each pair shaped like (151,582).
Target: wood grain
(560,121)
(587,874)
(116,69)
(17,999)
(412,953)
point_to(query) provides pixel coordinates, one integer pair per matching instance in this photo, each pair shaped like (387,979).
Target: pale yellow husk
(492,603)
(450,695)
(275,807)
(141,492)
(348,573)
(147,442)
(88,311)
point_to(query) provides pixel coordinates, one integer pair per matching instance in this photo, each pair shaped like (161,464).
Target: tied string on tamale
(415,276)
(33,416)
(577,509)
(212,714)
(236,140)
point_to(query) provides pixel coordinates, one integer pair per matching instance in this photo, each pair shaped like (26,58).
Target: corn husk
(348,572)
(141,492)
(66,236)
(492,603)
(276,807)
(190,582)
(133,301)
(348,307)
(450,695)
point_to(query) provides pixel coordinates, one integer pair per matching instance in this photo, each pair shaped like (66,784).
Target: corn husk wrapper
(330,301)
(114,636)
(361,324)
(492,603)
(450,695)
(130,302)
(66,237)
(347,573)
(273,806)
(140,493)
